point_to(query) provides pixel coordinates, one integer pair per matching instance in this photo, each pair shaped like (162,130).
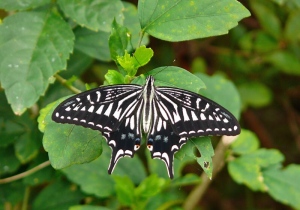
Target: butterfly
(168,116)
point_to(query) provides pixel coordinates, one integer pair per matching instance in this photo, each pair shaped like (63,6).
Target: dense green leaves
(185,20)
(33,46)
(261,56)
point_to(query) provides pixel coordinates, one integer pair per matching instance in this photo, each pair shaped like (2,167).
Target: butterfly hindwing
(126,139)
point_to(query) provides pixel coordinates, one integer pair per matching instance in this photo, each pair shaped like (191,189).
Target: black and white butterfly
(169,116)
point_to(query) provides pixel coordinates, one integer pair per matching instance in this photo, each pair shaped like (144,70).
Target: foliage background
(260,56)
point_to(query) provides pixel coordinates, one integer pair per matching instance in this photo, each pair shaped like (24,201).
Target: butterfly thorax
(148,95)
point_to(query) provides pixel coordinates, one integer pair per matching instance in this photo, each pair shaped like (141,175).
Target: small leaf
(114,77)
(93,14)
(150,186)
(246,142)
(186,20)
(285,61)
(141,57)
(124,188)
(283,185)
(292,28)
(255,94)
(207,152)
(40,43)
(271,24)
(118,40)
(71,196)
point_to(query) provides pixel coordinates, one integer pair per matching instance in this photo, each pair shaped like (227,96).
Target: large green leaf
(33,47)
(87,207)
(94,179)
(21,4)
(68,144)
(283,185)
(246,142)
(59,196)
(188,19)
(292,29)
(93,14)
(247,169)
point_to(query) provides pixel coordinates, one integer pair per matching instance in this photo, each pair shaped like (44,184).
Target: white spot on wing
(166,158)
(108,110)
(99,111)
(194,117)
(202,116)
(91,109)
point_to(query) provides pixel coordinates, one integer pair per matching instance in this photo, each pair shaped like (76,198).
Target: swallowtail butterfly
(169,116)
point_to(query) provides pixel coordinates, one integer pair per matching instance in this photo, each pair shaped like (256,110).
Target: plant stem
(26,173)
(26,198)
(65,83)
(218,163)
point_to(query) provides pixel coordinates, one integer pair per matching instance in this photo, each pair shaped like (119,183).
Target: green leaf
(118,40)
(124,189)
(150,186)
(206,153)
(188,179)
(62,194)
(94,44)
(219,89)
(98,181)
(206,150)
(28,145)
(271,24)
(68,144)
(246,142)
(255,94)
(93,14)
(248,168)
(285,61)
(33,47)
(9,162)
(186,20)
(292,28)
(283,185)
(176,77)
(87,207)
(22,4)
(141,57)
(114,77)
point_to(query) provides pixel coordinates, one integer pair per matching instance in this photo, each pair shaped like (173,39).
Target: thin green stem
(218,163)
(141,38)
(66,84)
(24,174)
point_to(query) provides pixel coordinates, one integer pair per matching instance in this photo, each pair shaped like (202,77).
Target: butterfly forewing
(100,109)
(192,115)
